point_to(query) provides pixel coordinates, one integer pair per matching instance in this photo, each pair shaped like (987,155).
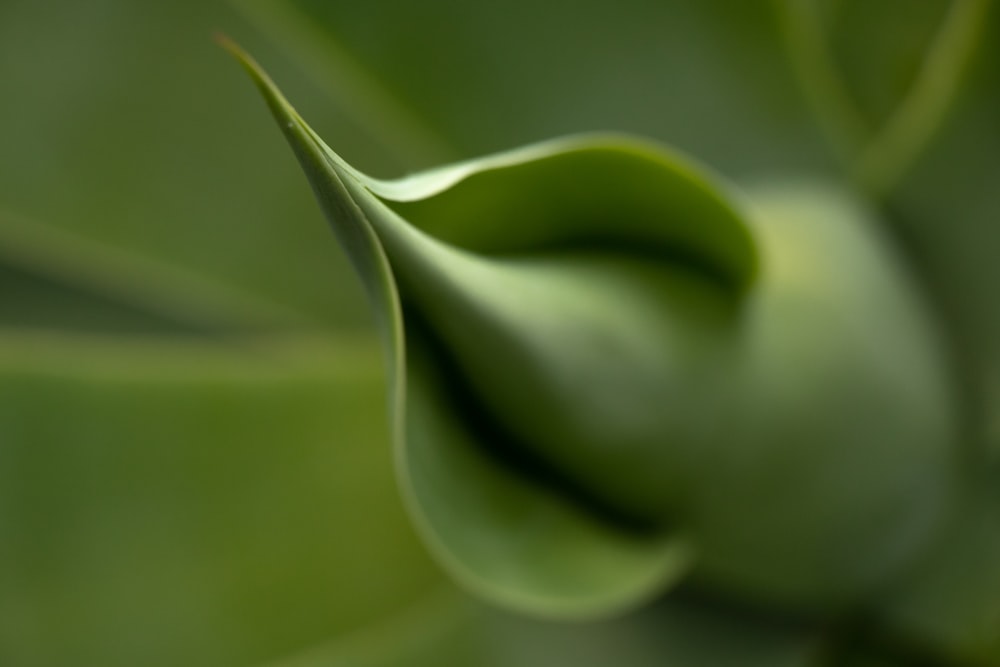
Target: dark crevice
(504,448)
(674,256)
(626,242)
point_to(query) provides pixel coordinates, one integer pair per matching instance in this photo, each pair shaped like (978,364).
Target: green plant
(194,466)
(607,376)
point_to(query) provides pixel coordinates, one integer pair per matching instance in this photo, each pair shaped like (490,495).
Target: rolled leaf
(608,375)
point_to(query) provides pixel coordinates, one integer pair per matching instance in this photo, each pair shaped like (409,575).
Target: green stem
(922,111)
(879,157)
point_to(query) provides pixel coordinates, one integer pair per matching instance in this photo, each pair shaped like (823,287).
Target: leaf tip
(238,52)
(230,45)
(270,91)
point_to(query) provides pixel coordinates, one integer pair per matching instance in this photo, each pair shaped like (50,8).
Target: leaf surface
(513,541)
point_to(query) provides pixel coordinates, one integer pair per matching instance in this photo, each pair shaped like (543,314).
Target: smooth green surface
(123,126)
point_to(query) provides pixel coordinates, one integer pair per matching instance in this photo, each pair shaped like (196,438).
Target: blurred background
(194,457)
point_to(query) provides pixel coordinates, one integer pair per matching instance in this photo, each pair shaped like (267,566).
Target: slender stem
(922,111)
(878,157)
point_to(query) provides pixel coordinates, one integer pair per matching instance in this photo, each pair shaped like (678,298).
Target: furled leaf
(508,537)
(581,315)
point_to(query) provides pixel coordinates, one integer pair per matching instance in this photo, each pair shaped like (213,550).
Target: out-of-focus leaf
(949,214)
(56,280)
(880,57)
(881,87)
(946,210)
(168,503)
(844,462)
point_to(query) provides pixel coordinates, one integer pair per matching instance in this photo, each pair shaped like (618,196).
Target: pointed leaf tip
(571,564)
(337,190)
(275,100)
(238,52)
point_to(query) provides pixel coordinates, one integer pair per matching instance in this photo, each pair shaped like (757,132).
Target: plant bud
(607,376)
